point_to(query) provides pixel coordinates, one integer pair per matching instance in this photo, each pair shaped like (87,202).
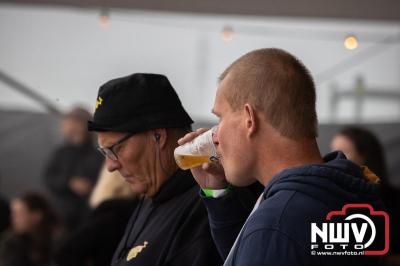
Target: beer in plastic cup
(200,150)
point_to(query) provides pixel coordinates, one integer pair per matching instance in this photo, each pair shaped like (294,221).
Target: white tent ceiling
(349,9)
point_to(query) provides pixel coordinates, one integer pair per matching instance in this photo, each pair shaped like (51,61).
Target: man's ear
(251,119)
(160,137)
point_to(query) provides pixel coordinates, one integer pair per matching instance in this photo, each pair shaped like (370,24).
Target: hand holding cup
(198,153)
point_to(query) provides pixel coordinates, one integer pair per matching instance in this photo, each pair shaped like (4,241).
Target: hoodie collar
(335,168)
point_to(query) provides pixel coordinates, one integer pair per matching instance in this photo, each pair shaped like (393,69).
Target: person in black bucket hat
(138,120)
(138,103)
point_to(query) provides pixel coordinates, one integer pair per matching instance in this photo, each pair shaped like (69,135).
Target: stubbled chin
(136,186)
(130,180)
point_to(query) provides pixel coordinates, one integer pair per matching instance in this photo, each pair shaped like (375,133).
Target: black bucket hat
(138,103)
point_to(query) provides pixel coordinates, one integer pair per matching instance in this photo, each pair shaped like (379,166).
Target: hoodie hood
(334,183)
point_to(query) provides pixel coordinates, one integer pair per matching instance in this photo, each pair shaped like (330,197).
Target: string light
(227,34)
(104,18)
(351,42)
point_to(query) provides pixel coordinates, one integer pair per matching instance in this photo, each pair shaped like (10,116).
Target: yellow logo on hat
(135,251)
(99,102)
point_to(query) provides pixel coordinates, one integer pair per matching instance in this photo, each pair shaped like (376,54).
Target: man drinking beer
(267,133)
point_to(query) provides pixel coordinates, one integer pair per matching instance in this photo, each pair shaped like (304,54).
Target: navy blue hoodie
(279,231)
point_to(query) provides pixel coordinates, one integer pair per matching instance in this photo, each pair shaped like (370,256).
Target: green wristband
(216,193)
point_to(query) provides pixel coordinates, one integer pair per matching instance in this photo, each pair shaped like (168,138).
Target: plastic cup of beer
(200,150)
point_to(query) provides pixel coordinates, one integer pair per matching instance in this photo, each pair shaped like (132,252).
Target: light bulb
(351,42)
(227,34)
(104,18)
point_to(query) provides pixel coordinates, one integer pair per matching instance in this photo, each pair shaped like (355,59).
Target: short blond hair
(279,85)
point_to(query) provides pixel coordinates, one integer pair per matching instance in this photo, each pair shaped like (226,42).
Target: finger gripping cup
(198,151)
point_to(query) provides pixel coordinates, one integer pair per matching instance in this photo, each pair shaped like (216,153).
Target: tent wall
(27,140)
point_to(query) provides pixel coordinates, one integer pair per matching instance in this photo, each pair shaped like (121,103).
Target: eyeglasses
(109,151)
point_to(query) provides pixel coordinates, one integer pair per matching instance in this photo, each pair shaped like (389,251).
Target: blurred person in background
(34,228)
(138,120)
(362,147)
(73,168)
(94,243)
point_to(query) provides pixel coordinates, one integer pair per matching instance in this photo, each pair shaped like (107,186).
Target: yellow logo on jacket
(135,251)
(99,102)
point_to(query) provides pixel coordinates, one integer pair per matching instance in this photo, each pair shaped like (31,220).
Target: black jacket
(67,162)
(170,229)
(96,240)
